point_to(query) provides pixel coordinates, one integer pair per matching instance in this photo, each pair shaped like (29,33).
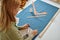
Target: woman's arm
(23,27)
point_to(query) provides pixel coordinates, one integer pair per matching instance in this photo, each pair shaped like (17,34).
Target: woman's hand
(34,32)
(24,27)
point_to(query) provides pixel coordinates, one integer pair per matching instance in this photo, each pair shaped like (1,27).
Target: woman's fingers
(34,32)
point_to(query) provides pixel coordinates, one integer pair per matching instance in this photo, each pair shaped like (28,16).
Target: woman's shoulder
(13,26)
(12,31)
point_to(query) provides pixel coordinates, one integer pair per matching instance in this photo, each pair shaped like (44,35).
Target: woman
(8,11)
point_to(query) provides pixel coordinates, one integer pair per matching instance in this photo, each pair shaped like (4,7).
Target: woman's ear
(23,2)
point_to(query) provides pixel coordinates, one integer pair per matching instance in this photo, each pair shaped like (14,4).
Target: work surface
(40,22)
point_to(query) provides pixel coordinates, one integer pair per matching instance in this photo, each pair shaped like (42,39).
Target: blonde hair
(7,13)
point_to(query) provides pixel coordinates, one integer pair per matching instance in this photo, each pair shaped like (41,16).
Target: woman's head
(9,9)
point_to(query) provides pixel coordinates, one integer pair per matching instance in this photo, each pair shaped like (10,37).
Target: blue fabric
(40,22)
